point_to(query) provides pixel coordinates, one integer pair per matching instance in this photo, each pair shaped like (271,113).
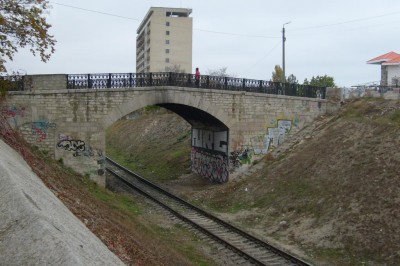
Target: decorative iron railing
(118,80)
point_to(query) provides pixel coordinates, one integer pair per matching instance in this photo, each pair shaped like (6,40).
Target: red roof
(395,61)
(389,58)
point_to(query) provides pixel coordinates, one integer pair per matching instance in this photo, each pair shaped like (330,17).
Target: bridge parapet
(36,82)
(47,82)
(138,80)
(118,80)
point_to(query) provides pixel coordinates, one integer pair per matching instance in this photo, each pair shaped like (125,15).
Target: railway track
(252,250)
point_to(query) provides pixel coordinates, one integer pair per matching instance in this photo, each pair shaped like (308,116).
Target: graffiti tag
(274,137)
(214,167)
(40,129)
(77,146)
(210,140)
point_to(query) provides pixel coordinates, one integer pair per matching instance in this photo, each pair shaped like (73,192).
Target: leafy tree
(22,23)
(322,81)
(277,75)
(292,79)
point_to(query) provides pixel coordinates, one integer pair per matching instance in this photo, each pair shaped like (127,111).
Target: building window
(166,60)
(167,32)
(167,51)
(166,41)
(167,24)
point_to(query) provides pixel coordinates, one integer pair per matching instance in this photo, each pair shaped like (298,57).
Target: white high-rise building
(164,41)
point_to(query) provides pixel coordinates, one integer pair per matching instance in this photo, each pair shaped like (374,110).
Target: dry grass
(333,199)
(337,193)
(120,221)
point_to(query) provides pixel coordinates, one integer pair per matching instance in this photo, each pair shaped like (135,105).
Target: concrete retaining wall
(35,227)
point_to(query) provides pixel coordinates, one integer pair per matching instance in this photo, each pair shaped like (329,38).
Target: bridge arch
(173,99)
(210,127)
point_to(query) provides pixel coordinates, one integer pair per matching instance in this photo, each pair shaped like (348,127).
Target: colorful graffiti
(274,137)
(212,166)
(240,157)
(40,129)
(13,113)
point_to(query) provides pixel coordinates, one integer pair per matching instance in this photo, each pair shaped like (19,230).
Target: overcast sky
(333,38)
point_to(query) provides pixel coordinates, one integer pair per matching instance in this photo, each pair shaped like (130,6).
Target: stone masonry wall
(71,123)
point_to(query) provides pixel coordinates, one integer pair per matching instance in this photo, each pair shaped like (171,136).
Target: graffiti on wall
(13,113)
(210,154)
(210,140)
(95,165)
(72,145)
(78,147)
(240,157)
(274,137)
(40,129)
(212,166)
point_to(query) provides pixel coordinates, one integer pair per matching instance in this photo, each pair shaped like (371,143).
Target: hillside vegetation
(126,224)
(336,194)
(152,142)
(332,196)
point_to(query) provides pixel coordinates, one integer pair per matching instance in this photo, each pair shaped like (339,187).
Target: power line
(231,33)
(269,52)
(97,12)
(139,20)
(334,31)
(239,34)
(345,22)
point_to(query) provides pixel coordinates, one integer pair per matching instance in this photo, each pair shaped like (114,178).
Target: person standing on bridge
(197,77)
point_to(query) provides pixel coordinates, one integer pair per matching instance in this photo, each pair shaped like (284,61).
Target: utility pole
(283,50)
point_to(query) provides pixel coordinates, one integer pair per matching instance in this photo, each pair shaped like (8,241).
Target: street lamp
(283,50)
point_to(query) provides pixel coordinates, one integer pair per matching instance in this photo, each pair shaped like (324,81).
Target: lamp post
(283,50)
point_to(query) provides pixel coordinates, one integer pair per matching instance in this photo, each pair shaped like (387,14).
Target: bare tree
(292,79)
(174,68)
(396,81)
(220,72)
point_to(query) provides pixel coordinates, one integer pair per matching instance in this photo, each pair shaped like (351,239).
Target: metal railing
(133,80)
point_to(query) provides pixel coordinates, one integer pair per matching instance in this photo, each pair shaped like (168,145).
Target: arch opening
(206,139)
(209,141)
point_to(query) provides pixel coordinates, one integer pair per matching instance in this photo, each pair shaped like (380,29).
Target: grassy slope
(156,144)
(335,195)
(124,223)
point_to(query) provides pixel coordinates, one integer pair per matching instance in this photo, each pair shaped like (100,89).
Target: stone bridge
(232,119)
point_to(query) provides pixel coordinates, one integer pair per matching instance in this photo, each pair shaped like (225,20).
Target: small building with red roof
(390,68)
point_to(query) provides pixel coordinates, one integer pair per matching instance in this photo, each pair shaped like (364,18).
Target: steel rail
(231,228)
